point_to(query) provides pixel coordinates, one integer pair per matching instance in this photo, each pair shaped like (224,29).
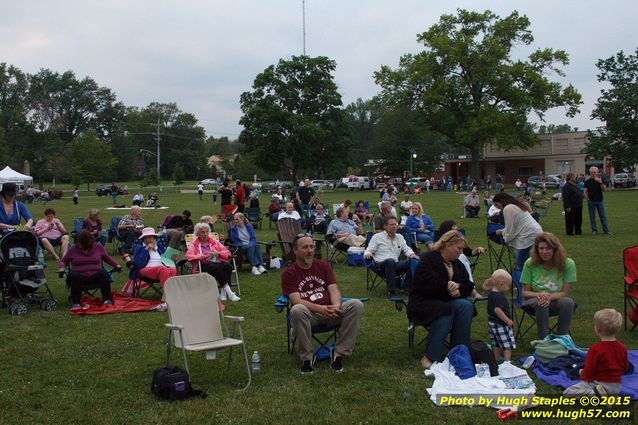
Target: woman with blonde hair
(420,224)
(438,295)
(546,278)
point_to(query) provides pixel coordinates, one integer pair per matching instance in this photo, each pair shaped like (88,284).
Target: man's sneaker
(256,271)
(262,269)
(233,297)
(336,363)
(307,366)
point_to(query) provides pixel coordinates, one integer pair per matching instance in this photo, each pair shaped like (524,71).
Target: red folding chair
(630,260)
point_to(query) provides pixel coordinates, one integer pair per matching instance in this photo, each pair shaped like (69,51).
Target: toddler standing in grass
(606,360)
(498,309)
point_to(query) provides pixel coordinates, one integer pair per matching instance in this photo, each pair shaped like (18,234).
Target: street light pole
(159,178)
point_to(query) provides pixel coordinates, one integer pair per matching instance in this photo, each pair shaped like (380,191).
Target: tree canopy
(293,118)
(467,85)
(618,108)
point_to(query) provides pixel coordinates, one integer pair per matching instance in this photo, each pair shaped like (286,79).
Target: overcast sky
(204,54)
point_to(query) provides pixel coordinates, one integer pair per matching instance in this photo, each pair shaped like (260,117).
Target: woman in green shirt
(546,279)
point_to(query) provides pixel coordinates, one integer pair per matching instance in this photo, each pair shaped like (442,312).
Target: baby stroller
(22,277)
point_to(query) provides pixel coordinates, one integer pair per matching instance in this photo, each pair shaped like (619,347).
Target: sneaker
(262,269)
(256,271)
(336,363)
(222,296)
(233,297)
(74,305)
(307,366)
(108,302)
(162,306)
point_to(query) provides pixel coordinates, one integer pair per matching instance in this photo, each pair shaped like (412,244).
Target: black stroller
(22,277)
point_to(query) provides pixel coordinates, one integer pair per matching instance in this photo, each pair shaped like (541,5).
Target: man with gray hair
(130,228)
(345,230)
(593,193)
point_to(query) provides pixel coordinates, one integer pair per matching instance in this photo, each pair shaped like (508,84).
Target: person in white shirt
(385,248)
(200,191)
(406,205)
(289,212)
(138,198)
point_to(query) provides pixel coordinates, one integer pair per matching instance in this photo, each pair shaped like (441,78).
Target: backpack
(482,354)
(172,383)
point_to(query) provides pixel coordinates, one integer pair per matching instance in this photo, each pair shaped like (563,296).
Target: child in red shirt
(606,360)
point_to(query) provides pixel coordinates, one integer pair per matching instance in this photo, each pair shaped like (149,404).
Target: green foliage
(292,118)
(178,174)
(91,159)
(617,107)
(466,86)
(150,179)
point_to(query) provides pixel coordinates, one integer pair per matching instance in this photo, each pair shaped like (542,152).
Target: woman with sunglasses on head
(12,211)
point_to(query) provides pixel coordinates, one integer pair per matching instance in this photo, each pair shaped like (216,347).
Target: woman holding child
(547,277)
(438,296)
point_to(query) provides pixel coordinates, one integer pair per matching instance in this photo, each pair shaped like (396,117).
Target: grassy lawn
(60,368)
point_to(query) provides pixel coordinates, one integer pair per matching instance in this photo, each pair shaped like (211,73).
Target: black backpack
(172,383)
(482,354)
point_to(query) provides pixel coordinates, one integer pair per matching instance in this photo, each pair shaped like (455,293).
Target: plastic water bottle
(256,362)
(528,362)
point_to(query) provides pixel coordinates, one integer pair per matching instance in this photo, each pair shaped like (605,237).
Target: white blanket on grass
(496,392)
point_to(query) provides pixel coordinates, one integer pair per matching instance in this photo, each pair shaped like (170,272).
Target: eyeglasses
(303,235)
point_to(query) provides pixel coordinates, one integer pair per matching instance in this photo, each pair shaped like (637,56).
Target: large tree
(618,108)
(293,120)
(466,85)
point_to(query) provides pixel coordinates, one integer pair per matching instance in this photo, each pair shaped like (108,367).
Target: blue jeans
(425,238)
(390,268)
(458,325)
(253,254)
(600,206)
(521,256)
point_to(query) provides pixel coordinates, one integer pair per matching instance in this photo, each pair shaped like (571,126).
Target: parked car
(552,181)
(417,182)
(105,190)
(624,180)
(357,182)
(208,181)
(319,184)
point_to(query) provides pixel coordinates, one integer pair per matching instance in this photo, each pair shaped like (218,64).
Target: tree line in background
(462,91)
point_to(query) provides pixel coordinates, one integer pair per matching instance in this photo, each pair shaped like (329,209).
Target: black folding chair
(501,255)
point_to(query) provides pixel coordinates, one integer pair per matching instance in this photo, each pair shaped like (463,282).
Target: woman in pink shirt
(51,233)
(210,256)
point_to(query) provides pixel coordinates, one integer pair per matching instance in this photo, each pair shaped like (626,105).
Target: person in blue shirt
(421,224)
(243,236)
(12,212)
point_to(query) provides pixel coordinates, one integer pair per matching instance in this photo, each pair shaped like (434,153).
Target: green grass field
(58,368)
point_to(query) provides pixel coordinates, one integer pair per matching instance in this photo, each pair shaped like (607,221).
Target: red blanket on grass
(121,304)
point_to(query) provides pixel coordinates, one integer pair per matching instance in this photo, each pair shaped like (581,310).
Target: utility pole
(159,179)
(303,5)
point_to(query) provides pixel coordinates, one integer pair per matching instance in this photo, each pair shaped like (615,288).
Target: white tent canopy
(9,175)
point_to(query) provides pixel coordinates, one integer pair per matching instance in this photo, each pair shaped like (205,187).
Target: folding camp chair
(630,288)
(375,276)
(137,284)
(525,311)
(325,336)
(337,252)
(287,230)
(89,289)
(254,217)
(113,236)
(194,315)
(77,226)
(501,255)
(239,257)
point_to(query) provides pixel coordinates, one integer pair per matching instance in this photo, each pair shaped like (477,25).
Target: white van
(356,182)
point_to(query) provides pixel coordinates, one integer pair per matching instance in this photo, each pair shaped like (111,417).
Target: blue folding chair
(113,235)
(325,335)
